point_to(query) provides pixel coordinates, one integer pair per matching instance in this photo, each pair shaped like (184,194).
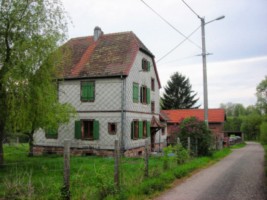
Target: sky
(237,44)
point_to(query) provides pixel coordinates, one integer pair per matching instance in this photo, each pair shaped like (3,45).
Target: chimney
(97,33)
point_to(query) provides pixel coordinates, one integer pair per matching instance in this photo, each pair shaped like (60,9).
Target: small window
(51,134)
(135,129)
(87,91)
(152,84)
(112,128)
(87,129)
(163,130)
(153,106)
(145,65)
(144,95)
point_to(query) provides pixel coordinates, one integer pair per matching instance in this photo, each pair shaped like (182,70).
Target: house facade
(112,81)
(216,119)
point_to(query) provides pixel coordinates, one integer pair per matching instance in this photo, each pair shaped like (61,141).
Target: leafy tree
(233,124)
(262,96)
(178,94)
(263,132)
(30,30)
(251,126)
(200,136)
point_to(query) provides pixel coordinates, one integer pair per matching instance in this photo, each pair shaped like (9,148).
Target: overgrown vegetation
(91,177)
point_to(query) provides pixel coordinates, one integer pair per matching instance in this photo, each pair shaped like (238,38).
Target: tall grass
(91,177)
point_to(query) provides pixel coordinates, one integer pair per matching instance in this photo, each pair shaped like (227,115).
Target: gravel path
(239,176)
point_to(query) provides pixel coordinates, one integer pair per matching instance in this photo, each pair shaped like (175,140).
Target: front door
(153,134)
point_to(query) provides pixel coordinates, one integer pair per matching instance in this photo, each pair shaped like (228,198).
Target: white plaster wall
(142,78)
(107,94)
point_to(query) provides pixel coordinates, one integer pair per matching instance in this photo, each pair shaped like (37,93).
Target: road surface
(239,176)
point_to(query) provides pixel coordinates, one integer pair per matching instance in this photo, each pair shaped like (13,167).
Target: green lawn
(91,177)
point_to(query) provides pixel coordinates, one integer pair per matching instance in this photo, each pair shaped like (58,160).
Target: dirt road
(239,176)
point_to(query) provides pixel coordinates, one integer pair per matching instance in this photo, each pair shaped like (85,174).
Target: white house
(112,81)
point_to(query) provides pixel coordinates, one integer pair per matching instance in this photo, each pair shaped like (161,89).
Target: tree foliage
(30,31)
(178,94)
(251,126)
(200,136)
(262,95)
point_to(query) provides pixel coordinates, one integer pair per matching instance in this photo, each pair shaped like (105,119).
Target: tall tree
(30,31)
(178,94)
(262,96)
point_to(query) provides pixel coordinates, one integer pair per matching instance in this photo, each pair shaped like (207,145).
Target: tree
(178,94)
(251,126)
(262,96)
(30,31)
(200,136)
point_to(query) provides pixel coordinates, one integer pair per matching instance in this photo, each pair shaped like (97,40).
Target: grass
(91,177)
(238,146)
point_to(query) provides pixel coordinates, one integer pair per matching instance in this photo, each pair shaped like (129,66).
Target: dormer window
(145,65)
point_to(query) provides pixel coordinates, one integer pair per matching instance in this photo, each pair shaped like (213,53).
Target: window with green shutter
(135,129)
(87,129)
(88,91)
(51,133)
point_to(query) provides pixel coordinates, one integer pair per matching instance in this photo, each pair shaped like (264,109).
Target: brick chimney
(97,33)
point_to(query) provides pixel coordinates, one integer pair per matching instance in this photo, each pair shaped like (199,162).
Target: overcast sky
(238,43)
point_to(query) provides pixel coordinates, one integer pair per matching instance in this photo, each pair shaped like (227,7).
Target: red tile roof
(176,116)
(111,55)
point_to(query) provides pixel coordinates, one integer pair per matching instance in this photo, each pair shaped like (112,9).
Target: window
(87,129)
(140,129)
(145,65)
(51,133)
(152,84)
(112,128)
(135,92)
(134,129)
(144,95)
(163,131)
(88,91)
(152,106)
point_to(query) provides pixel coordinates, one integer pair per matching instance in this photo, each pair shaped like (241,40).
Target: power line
(191,9)
(186,38)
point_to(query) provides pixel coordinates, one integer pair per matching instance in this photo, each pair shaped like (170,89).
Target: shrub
(200,136)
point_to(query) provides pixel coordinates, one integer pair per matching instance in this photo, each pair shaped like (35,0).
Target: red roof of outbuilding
(214,115)
(111,55)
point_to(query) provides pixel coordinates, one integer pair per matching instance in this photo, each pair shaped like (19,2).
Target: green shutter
(78,131)
(91,91)
(84,91)
(96,130)
(147,95)
(140,129)
(135,92)
(148,128)
(148,66)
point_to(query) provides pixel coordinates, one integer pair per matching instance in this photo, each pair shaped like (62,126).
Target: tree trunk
(1,146)
(30,154)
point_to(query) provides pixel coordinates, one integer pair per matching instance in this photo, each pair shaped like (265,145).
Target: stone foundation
(42,150)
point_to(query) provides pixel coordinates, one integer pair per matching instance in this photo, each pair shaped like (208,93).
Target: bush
(263,132)
(200,136)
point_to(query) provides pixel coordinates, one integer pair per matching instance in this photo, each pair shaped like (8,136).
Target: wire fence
(78,177)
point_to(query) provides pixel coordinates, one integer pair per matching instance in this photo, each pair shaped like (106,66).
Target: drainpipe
(123,87)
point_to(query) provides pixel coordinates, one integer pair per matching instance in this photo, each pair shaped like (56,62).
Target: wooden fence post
(146,158)
(116,165)
(188,144)
(66,187)
(178,140)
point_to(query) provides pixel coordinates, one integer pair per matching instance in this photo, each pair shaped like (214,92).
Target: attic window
(145,65)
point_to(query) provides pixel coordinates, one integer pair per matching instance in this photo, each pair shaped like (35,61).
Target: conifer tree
(178,94)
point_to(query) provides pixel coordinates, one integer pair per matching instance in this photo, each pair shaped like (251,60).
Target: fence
(80,177)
